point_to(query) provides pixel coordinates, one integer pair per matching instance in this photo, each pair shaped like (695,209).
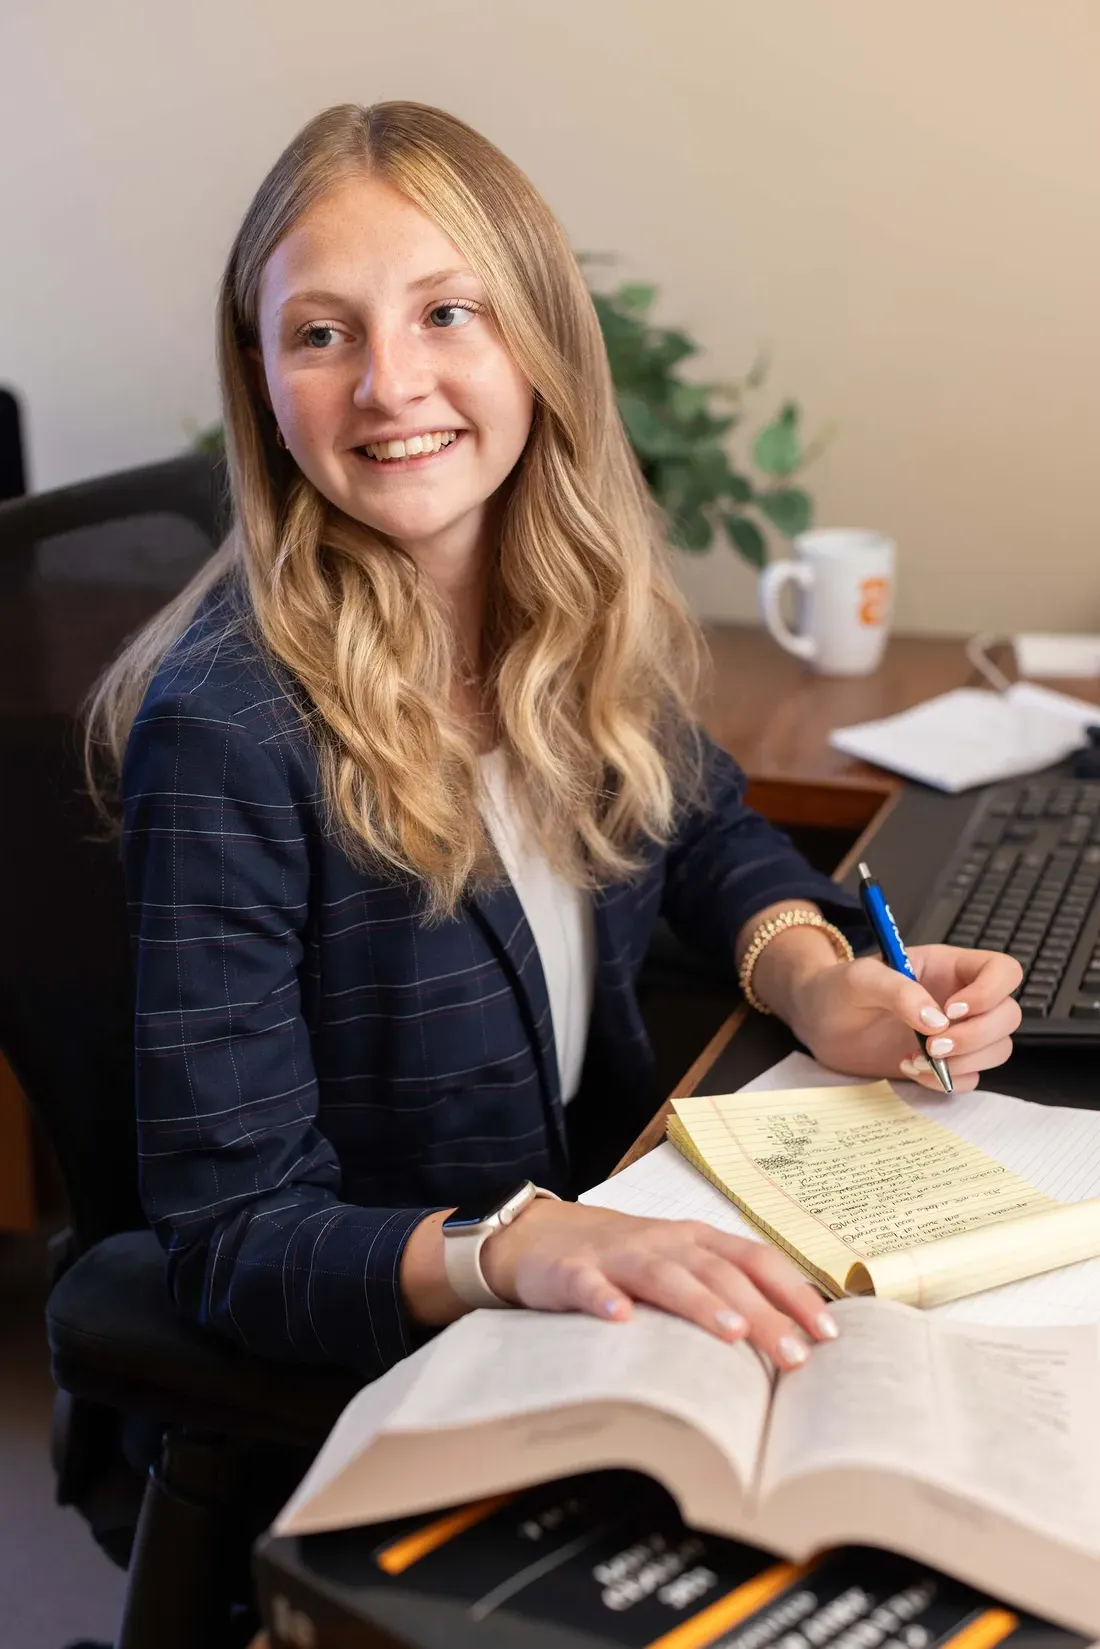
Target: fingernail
(958,1010)
(826,1326)
(611,1308)
(920,1064)
(791,1351)
(731,1321)
(907,1068)
(934,1018)
(939,1046)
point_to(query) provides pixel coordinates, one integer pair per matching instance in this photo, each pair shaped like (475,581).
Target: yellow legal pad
(869,1196)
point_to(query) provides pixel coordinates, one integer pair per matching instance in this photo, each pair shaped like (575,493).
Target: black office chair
(13,469)
(79,569)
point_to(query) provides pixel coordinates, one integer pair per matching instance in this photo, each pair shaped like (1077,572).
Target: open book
(975,1450)
(870,1196)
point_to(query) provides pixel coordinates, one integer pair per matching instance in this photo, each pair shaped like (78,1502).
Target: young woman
(410,774)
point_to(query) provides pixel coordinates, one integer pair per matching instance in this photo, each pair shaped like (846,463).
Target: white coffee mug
(845,583)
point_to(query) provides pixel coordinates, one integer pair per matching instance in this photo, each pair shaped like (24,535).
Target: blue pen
(890,943)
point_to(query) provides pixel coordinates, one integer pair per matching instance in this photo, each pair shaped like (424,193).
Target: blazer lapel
(499,914)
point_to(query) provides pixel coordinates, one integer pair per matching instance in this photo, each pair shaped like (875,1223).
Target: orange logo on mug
(874,596)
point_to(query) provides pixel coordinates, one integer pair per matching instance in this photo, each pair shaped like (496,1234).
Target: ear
(259,376)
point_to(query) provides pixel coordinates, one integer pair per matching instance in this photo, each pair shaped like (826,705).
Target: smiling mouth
(415,450)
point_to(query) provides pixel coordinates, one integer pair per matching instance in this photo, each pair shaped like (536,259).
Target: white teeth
(415,445)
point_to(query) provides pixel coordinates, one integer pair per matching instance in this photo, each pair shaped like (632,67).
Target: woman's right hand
(563,1256)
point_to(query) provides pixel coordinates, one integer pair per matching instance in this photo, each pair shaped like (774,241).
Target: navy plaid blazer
(318,1068)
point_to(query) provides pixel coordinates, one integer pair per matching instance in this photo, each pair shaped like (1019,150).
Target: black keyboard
(1024,879)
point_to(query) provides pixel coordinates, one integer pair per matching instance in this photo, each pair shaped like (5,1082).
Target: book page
(1055,1147)
(501,1398)
(513,1362)
(1008,1418)
(859,1187)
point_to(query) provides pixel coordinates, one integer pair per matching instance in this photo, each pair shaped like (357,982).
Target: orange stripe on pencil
(736,1606)
(411,1548)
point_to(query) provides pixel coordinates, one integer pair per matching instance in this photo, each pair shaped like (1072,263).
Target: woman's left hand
(860,1016)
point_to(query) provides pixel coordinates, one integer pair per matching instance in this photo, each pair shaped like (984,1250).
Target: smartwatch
(469,1227)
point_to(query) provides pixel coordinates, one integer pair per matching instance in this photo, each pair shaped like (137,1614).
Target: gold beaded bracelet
(769,930)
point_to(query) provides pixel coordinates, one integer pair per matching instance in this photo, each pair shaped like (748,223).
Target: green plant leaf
(777,449)
(694,531)
(668,348)
(748,538)
(758,370)
(738,488)
(636,296)
(211,439)
(650,435)
(788,508)
(820,442)
(687,401)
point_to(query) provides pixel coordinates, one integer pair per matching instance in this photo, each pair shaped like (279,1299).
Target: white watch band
(462,1255)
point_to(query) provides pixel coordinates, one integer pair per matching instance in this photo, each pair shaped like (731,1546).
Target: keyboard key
(1086,1010)
(1026,882)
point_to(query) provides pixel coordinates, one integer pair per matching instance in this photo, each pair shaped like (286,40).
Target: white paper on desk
(973,736)
(1058,1150)
(1054,655)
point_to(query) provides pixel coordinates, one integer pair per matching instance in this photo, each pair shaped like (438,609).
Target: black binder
(603,1561)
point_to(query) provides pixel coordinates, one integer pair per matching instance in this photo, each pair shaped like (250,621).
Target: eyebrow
(310,297)
(437,277)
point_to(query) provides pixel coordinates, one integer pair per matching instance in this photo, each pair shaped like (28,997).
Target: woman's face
(372,330)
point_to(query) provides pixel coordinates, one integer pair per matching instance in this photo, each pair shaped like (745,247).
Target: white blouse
(558,914)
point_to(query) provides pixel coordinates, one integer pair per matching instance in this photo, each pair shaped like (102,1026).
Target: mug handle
(772,581)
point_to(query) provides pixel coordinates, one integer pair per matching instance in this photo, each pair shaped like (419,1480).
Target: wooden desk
(775,715)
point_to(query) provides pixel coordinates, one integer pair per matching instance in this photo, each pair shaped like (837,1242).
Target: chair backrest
(13,470)
(80,569)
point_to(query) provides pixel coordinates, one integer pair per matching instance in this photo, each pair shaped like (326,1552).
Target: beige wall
(901,197)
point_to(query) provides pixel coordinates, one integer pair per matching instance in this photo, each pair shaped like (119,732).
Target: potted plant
(679,431)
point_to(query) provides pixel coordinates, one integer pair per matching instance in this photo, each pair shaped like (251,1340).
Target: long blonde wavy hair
(593,659)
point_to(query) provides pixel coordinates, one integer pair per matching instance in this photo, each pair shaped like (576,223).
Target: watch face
(470,1214)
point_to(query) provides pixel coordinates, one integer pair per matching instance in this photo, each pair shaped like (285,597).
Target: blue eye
(311,335)
(452,309)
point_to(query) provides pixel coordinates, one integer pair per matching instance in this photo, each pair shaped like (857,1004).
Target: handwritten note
(844,1177)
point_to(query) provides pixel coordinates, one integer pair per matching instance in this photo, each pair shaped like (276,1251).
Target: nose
(396,373)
